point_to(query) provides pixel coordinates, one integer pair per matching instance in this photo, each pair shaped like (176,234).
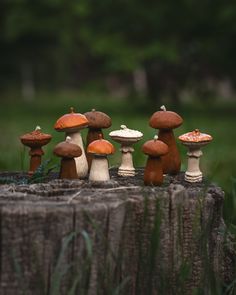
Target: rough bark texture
(119,236)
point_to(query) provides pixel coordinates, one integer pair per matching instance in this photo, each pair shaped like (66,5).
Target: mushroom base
(126,172)
(68,169)
(35,162)
(126,168)
(153,173)
(99,169)
(193,177)
(93,134)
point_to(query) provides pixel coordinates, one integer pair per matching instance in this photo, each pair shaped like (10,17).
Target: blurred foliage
(179,44)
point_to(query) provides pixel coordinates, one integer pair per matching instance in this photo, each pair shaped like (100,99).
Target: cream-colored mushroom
(126,137)
(194,141)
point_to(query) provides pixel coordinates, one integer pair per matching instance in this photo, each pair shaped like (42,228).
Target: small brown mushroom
(35,140)
(97,122)
(155,149)
(100,149)
(67,151)
(166,121)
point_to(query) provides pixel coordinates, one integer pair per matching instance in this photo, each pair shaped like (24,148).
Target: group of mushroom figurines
(77,162)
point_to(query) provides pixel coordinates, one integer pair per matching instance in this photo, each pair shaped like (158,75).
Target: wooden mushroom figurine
(166,121)
(100,149)
(97,122)
(72,124)
(155,149)
(126,137)
(194,141)
(67,151)
(35,140)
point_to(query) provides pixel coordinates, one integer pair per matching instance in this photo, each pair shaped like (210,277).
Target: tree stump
(78,237)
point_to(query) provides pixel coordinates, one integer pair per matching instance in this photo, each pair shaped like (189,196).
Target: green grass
(218,162)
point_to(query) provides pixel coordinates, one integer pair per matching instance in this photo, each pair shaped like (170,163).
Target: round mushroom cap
(164,119)
(71,122)
(195,137)
(67,149)
(98,120)
(155,147)
(35,138)
(101,147)
(126,133)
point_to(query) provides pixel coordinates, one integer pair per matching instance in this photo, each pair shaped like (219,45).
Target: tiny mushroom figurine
(97,122)
(166,121)
(67,151)
(155,149)
(126,137)
(35,140)
(72,124)
(194,141)
(100,149)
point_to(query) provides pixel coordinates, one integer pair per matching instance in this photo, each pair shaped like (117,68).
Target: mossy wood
(73,236)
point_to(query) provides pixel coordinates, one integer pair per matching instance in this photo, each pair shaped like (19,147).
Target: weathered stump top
(76,236)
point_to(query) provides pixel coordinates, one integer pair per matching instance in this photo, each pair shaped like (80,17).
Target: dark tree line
(177,44)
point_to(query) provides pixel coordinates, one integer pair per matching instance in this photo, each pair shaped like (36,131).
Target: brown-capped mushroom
(155,149)
(67,151)
(100,149)
(97,122)
(72,124)
(194,141)
(35,140)
(166,121)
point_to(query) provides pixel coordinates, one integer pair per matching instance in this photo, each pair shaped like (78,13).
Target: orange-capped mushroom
(100,149)
(71,124)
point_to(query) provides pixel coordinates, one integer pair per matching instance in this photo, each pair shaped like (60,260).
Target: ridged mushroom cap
(164,119)
(98,120)
(35,138)
(67,149)
(155,147)
(100,147)
(71,122)
(195,137)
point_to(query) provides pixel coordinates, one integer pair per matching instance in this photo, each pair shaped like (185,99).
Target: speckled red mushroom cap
(195,137)
(98,120)
(101,147)
(67,149)
(155,147)
(71,122)
(35,138)
(164,119)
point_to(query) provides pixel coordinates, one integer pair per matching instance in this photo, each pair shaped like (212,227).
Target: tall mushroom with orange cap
(155,149)
(194,141)
(72,124)
(35,140)
(97,122)
(166,121)
(100,149)
(67,151)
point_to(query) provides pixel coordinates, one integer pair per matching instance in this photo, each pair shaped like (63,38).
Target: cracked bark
(144,240)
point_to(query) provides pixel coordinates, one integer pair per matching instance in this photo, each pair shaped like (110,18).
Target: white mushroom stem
(193,173)
(99,169)
(81,162)
(126,168)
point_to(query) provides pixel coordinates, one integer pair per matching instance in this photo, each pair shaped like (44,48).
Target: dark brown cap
(101,147)
(67,149)
(165,119)
(98,119)
(71,122)
(155,147)
(35,138)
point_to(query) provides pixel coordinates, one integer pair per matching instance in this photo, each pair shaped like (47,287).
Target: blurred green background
(125,58)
